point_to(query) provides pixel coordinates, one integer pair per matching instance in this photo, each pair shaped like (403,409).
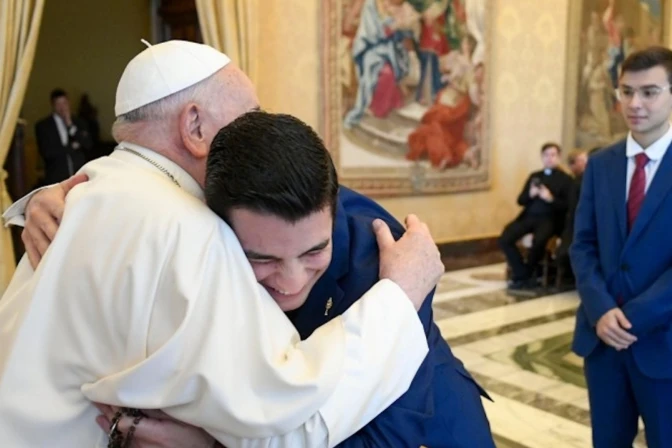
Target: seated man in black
(544,200)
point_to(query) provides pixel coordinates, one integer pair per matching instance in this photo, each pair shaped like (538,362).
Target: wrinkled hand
(413,262)
(545,194)
(534,191)
(611,328)
(43,216)
(157,430)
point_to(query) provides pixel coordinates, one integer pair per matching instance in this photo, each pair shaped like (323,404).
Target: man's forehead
(269,234)
(652,76)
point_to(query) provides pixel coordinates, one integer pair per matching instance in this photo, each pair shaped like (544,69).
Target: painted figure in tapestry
(381,57)
(413,79)
(611,30)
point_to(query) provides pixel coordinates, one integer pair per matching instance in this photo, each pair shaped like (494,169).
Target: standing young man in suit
(62,140)
(622,258)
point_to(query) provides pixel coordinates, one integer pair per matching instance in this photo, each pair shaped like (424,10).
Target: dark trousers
(542,227)
(619,393)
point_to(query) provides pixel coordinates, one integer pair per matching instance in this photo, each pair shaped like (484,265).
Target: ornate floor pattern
(518,349)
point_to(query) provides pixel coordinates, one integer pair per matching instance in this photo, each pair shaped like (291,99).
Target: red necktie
(637,188)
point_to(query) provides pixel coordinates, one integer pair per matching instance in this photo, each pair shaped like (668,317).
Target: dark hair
(648,58)
(57,93)
(550,145)
(270,163)
(574,155)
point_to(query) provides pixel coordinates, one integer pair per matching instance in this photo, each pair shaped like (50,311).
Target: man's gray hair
(161,109)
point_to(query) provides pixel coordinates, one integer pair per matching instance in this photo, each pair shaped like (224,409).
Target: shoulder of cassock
(130,237)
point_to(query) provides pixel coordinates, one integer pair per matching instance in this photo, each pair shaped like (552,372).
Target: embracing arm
(15,214)
(41,216)
(294,391)
(404,422)
(349,359)
(584,254)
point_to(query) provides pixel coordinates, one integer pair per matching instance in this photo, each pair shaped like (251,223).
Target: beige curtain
(232,27)
(19,28)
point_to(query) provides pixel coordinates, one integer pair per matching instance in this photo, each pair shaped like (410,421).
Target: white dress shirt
(655,153)
(63,131)
(145,299)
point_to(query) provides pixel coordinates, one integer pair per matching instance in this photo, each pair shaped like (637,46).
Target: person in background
(544,200)
(63,141)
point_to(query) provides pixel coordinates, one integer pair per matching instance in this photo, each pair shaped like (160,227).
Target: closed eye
(314,252)
(318,248)
(260,260)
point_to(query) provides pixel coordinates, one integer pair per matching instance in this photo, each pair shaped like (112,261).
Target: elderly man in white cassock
(146,300)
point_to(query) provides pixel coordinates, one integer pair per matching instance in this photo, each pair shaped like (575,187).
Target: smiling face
(287,258)
(646,100)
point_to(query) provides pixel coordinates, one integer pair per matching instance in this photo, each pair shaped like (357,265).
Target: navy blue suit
(634,271)
(442,407)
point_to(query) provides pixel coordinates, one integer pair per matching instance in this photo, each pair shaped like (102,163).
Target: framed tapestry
(405,94)
(602,33)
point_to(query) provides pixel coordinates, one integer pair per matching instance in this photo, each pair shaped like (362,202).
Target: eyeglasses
(647,94)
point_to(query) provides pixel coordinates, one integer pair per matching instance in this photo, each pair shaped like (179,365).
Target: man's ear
(191,130)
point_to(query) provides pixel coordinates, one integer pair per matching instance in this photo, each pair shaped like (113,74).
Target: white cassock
(145,299)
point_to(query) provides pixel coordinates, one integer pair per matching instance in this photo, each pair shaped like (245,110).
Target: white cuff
(15,213)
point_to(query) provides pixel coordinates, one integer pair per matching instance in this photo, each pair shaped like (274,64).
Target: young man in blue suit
(312,247)
(622,258)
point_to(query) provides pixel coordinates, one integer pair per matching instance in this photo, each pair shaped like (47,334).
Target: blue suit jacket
(414,419)
(616,268)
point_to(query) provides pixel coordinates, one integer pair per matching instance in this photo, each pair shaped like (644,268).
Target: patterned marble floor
(518,348)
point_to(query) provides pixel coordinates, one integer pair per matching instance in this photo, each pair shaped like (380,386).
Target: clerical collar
(173,172)
(548,171)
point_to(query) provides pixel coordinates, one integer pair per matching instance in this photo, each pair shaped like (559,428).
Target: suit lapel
(617,185)
(657,192)
(323,303)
